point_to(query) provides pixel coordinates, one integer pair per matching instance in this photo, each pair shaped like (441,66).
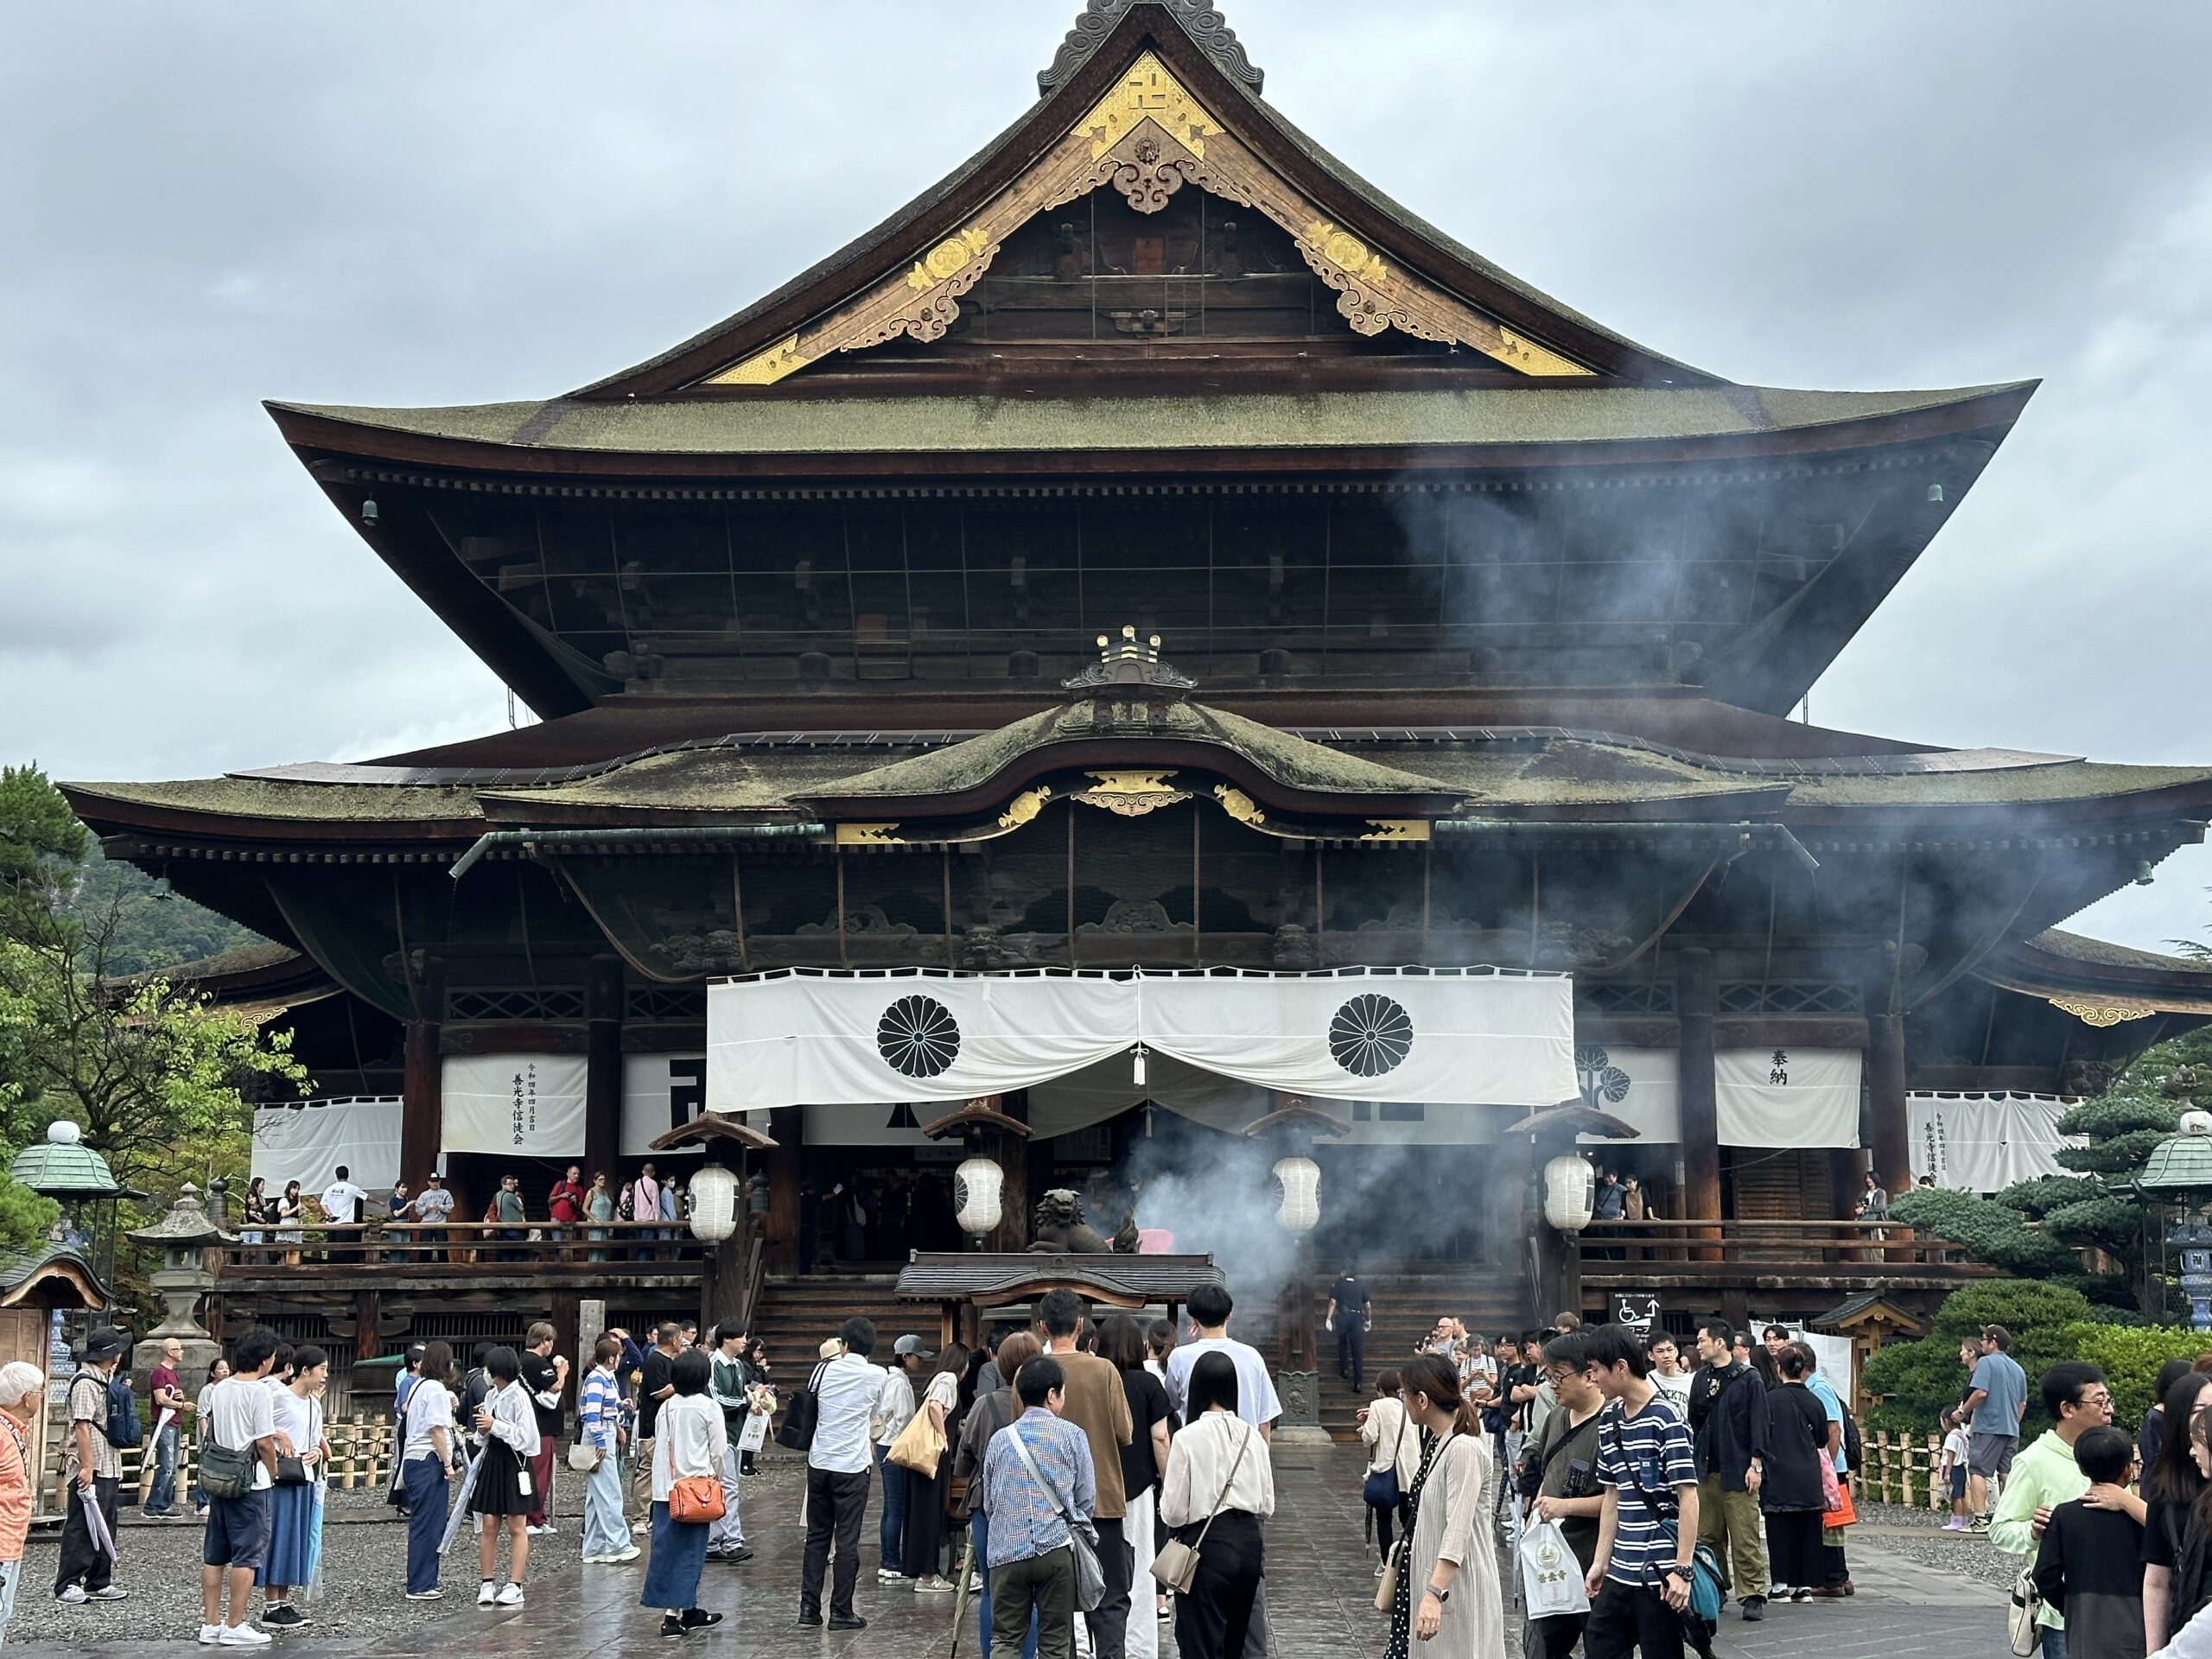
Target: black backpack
(121,1428)
(1854,1449)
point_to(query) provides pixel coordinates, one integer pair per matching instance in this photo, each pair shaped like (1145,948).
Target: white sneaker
(243,1636)
(933,1585)
(208,1634)
(485,1594)
(109,1592)
(628,1553)
(511,1596)
(889,1575)
(425,1595)
(71,1595)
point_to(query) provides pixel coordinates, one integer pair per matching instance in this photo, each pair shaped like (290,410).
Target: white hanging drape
(1476,1037)
(1787,1097)
(526,1105)
(1984,1142)
(307,1143)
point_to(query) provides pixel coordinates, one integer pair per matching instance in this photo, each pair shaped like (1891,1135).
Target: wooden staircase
(796,1314)
(1408,1303)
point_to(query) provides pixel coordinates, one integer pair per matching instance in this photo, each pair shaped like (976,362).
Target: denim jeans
(979,1528)
(605,1533)
(163,1496)
(893,1522)
(426,1521)
(10,1571)
(728,1533)
(2053,1642)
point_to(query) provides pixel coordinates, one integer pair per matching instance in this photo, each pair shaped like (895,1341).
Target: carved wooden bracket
(1147,138)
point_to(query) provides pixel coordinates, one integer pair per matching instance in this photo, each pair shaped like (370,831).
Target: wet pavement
(1320,1572)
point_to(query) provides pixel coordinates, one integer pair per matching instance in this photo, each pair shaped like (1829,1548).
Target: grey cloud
(429,203)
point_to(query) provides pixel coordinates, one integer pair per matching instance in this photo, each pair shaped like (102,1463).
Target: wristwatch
(1442,1596)
(1681,1572)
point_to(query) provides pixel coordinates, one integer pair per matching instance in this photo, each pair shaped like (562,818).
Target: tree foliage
(159,1080)
(1919,1381)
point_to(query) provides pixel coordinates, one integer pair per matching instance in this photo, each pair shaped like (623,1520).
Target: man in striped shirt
(1639,1580)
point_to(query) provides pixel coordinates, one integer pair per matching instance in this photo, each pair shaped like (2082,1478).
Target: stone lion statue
(1061,1228)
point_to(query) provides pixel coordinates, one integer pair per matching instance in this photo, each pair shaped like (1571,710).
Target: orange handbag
(696,1500)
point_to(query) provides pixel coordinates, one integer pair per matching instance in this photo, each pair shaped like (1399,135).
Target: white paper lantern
(978,1186)
(1570,1191)
(1300,1208)
(713,1204)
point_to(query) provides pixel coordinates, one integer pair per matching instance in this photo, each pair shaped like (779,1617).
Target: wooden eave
(597,473)
(946,208)
(1077,754)
(2029,970)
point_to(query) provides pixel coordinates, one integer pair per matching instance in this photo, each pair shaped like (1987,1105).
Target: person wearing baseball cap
(91,1470)
(895,1409)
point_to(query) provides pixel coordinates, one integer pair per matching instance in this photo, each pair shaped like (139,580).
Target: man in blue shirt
(1032,1565)
(1996,1400)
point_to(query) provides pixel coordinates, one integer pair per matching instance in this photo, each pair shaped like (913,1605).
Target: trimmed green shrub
(2129,1357)
(1920,1381)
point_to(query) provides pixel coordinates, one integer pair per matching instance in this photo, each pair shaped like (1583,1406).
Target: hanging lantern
(713,1204)
(977,1188)
(1570,1191)
(1300,1208)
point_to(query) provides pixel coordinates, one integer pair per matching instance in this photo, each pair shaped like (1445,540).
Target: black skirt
(500,1483)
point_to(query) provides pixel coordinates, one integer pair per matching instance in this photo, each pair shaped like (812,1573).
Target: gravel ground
(364,1554)
(1917,1535)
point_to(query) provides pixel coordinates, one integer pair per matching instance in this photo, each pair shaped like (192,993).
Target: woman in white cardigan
(502,1497)
(1392,1443)
(1447,1591)
(1220,1483)
(688,1441)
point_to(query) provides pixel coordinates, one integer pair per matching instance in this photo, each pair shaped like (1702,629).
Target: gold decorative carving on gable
(1239,805)
(1397,829)
(1131,794)
(946,260)
(1147,93)
(1025,807)
(868,834)
(2098,1014)
(1147,138)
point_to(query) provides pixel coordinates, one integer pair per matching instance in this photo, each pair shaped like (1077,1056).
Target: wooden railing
(1730,1251)
(411,1247)
(1901,1470)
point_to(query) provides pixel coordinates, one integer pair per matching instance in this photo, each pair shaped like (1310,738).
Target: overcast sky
(203,207)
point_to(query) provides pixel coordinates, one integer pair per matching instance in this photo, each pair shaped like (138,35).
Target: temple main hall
(1157,639)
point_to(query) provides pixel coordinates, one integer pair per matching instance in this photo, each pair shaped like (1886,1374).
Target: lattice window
(1644,997)
(668,1002)
(518,1002)
(1789,997)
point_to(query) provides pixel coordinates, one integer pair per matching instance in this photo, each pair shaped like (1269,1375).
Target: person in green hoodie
(2044,1475)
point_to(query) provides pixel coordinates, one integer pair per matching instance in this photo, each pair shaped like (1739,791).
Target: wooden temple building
(1154,547)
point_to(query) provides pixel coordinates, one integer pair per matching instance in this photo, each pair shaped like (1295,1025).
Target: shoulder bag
(800,1416)
(1082,1538)
(696,1499)
(920,1444)
(1386,1591)
(1380,1489)
(1177,1564)
(2024,1620)
(1708,1595)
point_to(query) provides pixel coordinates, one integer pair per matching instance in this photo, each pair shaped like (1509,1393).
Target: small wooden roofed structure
(33,1286)
(968,1289)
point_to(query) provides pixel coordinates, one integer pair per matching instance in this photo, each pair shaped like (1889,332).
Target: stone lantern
(2179,1171)
(184,1237)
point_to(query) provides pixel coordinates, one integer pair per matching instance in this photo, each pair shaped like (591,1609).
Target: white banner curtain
(1641,1086)
(1787,1097)
(306,1142)
(526,1105)
(1469,1038)
(1984,1142)
(660,1092)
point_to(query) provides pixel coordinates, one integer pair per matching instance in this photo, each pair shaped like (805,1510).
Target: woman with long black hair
(429,1457)
(1792,1495)
(2178,1531)
(1447,1595)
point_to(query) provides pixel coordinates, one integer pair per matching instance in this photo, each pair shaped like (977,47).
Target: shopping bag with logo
(1551,1578)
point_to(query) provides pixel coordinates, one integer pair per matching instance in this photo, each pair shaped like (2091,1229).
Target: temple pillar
(1701,1121)
(787,1125)
(604,998)
(1887,1137)
(422,1112)
(1012,1153)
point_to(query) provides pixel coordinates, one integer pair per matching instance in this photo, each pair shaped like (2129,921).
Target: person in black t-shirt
(545,1376)
(655,1385)
(1351,1315)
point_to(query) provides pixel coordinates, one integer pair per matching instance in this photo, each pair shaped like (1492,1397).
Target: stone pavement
(1320,1592)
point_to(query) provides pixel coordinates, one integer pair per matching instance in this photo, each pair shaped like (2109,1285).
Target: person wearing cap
(895,1409)
(91,1469)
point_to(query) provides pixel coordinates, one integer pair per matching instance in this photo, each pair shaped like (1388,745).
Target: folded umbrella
(459,1517)
(96,1525)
